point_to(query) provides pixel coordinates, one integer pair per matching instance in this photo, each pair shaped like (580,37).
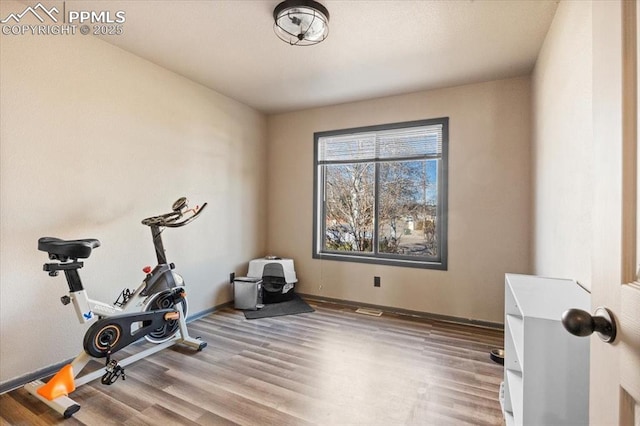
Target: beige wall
(489,199)
(93,139)
(563,147)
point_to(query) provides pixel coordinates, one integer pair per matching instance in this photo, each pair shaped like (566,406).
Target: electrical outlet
(376,281)
(232,277)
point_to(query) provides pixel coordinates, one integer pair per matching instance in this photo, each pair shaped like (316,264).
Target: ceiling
(375,48)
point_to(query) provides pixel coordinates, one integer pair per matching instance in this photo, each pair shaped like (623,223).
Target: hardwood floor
(330,367)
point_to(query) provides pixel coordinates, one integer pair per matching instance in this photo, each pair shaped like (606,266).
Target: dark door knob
(582,323)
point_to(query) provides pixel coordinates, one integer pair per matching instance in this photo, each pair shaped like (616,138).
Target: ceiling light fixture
(301,22)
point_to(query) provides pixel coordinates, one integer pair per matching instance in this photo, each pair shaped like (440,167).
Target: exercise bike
(156,310)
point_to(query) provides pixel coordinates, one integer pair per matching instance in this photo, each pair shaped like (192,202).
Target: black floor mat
(290,307)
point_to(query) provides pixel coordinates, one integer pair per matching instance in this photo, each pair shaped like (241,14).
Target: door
(615,368)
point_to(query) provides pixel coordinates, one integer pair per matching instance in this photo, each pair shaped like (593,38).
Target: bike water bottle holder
(124,297)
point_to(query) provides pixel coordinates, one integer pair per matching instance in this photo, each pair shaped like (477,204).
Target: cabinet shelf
(515,328)
(515,387)
(508,419)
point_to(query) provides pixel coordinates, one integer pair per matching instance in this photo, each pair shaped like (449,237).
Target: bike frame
(87,309)
(161,279)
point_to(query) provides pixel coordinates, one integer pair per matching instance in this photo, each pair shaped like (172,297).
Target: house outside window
(380,194)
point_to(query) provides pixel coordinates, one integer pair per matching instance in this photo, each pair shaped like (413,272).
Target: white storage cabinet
(546,369)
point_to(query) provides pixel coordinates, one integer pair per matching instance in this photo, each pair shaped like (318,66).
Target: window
(381,194)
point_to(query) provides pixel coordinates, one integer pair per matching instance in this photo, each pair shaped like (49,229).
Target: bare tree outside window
(349,206)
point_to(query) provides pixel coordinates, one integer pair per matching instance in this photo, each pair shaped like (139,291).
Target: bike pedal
(113,371)
(172,316)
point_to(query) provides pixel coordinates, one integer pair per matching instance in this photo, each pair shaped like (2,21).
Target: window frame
(375,257)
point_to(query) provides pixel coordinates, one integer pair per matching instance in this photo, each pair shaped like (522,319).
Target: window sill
(406,263)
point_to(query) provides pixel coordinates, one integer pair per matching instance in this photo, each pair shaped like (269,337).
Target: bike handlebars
(171,220)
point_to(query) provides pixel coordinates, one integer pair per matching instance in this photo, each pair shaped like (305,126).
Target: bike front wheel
(165,300)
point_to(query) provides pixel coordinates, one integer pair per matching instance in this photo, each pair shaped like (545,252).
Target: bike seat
(67,249)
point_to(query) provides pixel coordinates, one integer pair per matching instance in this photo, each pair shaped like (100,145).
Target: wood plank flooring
(329,367)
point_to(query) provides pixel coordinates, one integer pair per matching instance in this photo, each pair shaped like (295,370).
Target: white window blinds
(393,144)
